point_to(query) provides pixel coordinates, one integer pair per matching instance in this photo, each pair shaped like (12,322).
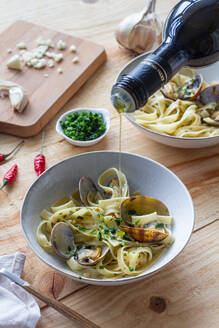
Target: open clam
(91,254)
(88,191)
(114,183)
(211,95)
(189,91)
(62,239)
(138,206)
(145,235)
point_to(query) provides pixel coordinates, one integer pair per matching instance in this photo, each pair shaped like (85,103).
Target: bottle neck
(133,90)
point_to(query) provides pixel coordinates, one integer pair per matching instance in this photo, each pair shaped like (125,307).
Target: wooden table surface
(190,284)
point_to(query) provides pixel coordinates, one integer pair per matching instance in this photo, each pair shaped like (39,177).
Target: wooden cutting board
(46,94)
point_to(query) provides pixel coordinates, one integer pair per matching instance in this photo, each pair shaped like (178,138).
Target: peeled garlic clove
(140,31)
(16,93)
(18,98)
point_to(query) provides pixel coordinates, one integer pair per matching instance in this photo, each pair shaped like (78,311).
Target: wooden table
(189,285)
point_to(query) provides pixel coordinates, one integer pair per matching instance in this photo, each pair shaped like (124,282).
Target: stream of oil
(120,141)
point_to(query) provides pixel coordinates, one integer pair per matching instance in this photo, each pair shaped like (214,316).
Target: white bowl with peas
(84,127)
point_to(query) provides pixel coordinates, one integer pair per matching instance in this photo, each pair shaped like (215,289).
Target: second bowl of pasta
(177,115)
(92,221)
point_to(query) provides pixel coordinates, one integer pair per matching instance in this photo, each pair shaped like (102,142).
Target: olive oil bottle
(191,37)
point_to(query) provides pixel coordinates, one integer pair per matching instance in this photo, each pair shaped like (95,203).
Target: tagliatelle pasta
(100,225)
(179,118)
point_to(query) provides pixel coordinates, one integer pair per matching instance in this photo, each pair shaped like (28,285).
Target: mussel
(137,206)
(189,91)
(207,96)
(62,239)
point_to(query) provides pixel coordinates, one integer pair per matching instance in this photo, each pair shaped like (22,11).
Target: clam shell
(91,259)
(140,205)
(171,91)
(210,95)
(145,235)
(86,185)
(62,240)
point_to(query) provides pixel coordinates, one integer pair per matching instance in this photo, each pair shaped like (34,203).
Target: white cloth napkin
(18,309)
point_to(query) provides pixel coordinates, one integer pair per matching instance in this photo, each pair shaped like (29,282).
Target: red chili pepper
(4,156)
(40,160)
(10,176)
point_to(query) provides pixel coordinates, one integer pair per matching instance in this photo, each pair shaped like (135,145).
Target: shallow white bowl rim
(108,282)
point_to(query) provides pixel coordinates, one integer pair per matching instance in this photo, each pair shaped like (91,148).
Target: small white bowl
(106,117)
(143,174)
(210,74)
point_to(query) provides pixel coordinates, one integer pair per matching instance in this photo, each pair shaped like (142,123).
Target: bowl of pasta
(91,221)
(184,113)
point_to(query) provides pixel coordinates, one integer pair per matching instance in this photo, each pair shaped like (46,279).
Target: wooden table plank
(190,302)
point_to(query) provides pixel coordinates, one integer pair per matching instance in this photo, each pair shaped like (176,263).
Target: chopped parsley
(83,125)
(106,230)
(101,267)
(159,225)
(131,269)
(82,228)
(113,230)
(118,221)
(99,236)
(137,222)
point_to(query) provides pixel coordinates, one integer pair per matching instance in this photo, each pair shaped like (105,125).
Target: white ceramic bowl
(143,174)
(106,117)
(210,73)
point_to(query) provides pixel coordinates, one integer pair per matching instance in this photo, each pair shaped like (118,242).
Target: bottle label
(158,68)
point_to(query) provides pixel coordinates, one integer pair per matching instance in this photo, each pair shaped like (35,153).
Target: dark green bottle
(191,37)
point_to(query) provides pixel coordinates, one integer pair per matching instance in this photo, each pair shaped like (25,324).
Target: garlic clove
(17,94)
(14,63)
(18,98)
(140,31)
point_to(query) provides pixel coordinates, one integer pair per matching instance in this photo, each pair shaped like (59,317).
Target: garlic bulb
(141,31)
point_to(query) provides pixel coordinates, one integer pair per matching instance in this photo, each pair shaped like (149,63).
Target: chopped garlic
(49,54)
(40,51)
(73,48)
(14,63)
(41,63)
(42,42)
(61,45)
(59,70)
(58,57)
(33,62)
(9,51)
(51,63)
(75,60)
(27,56)
(21,45)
